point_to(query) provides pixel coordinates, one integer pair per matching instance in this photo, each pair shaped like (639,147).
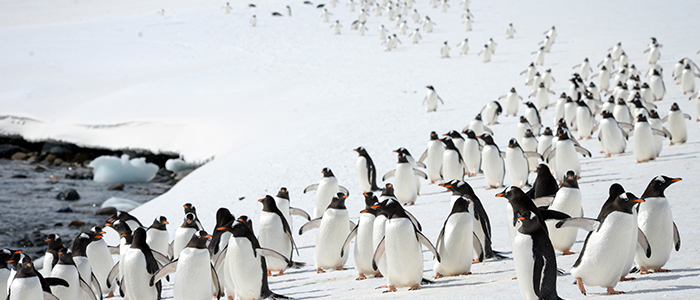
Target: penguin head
(532,64)
(581,103)
(370,200)
(562,134)
(487,138)
(641,118)
(388,190)
(591,85)
(223,217)
(478,117)
(621,101)
(454,134)
(189,208)
(637,101)
(450,185)
(653,114)
(562,96)
(430,87)
(269,204)
(528,133)
(189,221)
(283,193)
(402,150)
(460,205)
(25,266)
(327,172)
(585,59)
(338,201)
(656,73)
(394,209)
(603,68)
(54,241)
(513,194)
(159,223)
(529,104)
(470,134)
(687,67)
(199,240)
(606,114)
(562,123)
(434,136)
(658,185)
(547,131)
(245,221)
(675,107)
(513,143)
(65,256)
(541,84)
(569,100)
(523,120)
(139,239)
(625,201)
(570,180)
(512,90)
(543,170)
(449,144)
(402,158)
(361,151)
(527,222)
(611,99)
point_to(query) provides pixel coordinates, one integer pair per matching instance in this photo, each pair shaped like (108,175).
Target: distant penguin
(688,80)
(333,227)
(288,10)
(570,113)
(529,74)
(658,88)
(584,69)
(68,271)
(564,155)
(545,187)
(510,31)
(516,164)
(55,243)
(445,50)
(605,250)
(157,236)
(325,191)
(545,140)
(138,266)
(366,171)
(541,96)
(655,220)
(654,54)
(402,245)
(533,255)
(336,27)
(184,233)
(539,59)
(194,272)
(568,201)
(477,126)
(644,143)
(487,52)
(676,124)
(253,21)
(455,242)
(363,235)
(492,163)
(431,99)
(432,157)
(512,102)
(585,120)
(529,144)
(275,234)
(523,125)
(463,46)
(472,153)
(453,165)
(657,124)
(616,51)
(406,183)
(415,36)
(125,217)
(613,139)
(490,112)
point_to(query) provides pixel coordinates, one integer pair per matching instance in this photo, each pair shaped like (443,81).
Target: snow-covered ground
(278,102)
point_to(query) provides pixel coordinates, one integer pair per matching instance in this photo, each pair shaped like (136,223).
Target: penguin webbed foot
(625,278)
(660,270)
(361,276)
(340,268)
(567,252)
(390,290)
(320,270)
(415,287)
(438,275)
(612,291)
(581,288)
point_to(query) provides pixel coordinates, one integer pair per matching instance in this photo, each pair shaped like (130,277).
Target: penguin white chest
(327,188)
(363,174)
(677,127)
(656,221)
(332,231)
(136,277)
(451,166)
(644,143)
(434,160)
(403,253)
(364,249)
(26,288)
(523,258)
(472,156)
(611,137)
(566,159)
(101,261)
(69,273)
(517,167)
(158,240)
(182,237)
(567,200)
(405,184)
(492,165)
(193,277)
(272,236)
(244,268)
(456,247)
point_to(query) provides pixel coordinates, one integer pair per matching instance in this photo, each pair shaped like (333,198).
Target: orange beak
(239,220)
(375,206)
(676,180)
(166,223)
(499,195)
(208,236)
(639,200)
(521,218)
(98,236)
(223,227)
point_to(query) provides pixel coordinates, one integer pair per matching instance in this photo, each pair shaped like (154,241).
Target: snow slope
(278,102)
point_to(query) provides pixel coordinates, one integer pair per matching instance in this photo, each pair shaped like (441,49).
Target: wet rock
(19,156)
(76,223)
(7,150)
(75,175)
(68,195)
(116,187)
(50,158)
(40,168)
(59,224)
(65,210)
(21,176)
(106,211)
(58,161)
(58,148)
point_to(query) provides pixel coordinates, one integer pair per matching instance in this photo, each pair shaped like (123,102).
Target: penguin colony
(235,258)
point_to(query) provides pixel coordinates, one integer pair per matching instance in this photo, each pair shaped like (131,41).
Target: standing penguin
(688,80)
(275,234)
(333,228)
(51,257)
(366,171)
(217,245)
(5,273)
(564,155)
(535,263)
(584,69)
(585,120)
(568,201)
(402,245)
(539,59)
(283,203)
(157,236)
(138,266)
(613,139)
(325,190)
(472,153)
(431,98)
(516,163)
(545,187)
(656,222)
(541,95)
(83,263)
(463,47)
(253,21)
(510,31)
(453,166)
(415,165)
(28,284)
(605,250)
(405,187)
(545,141)
(490,112)
(487,52)
(657,124)
(190,209)
(512,101)
(445,50)
(644,143)
(676,124)
(67,270)
(492,163)
(362,234)
(184,233)
(656,83)
(477,126)
(101,260)
(194,272)
(432,157)
(456,242)
(529,144)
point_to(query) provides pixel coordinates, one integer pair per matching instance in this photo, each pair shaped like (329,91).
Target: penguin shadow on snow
(670,276)
(457,281)
(662,290)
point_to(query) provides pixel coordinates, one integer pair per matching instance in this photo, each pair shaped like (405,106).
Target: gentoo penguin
(5,279)
(512,101)
(184,233)
(523,125)
(67,270)
(516,163)
(472,153)
(432,157)
(246,262)
(445,50)
(138,266)
(333,227)
(688,80)
(551,33)
(28,284)
(533,117)
(463,46)
(194,272)
(431,99)
(616,51)
(453,166)
(415,164)
(457,139)
(585,120)
(428,24)
(492,45)
(253,21)
(584,69)
(564,155)
(366,171)
(654,54)
(157,236)
(490,112)
(189,208)
(477,125)
(487,52)
(529,144)
(545,187)
(621,112)
(656,221)
(509,31)
(101,260)
(415,36)
(570,113)
(568,201)
(405,187)
(492,163)
(658,88)
(336,27)
(539,59)
(125,217)
(325,190)
(607,62)
(82,263)
(612,137)
(529,73)
(378,231)
(275,234)
(51,257)
(644,144)
(605,250)
(218,243)
(676,124)
(283,203)
(456,242)
(541,95)
(325,14)
(288,10)
(545,140)
(402,245)
(362,234)
(533,255)
(603,78)
(657,124)
(697,106)
(125,239)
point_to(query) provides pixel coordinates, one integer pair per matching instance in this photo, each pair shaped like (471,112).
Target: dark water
(28,204)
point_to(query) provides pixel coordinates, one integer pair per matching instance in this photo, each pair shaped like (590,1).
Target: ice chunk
(120,204)
(176,165)
(110,169)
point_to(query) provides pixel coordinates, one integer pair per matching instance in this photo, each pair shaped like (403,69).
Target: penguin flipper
(537,270)
(170,250)
(378,253)
(676,237)
(420,164)
(388,175)
(47,296)
(487,129)
(164,271)
(477,245)
(272,253)
(313,224)
(87,289)
(217,283)
(346,244)
(312,187)
(420,174)
(533,154)
(687,116)
(664,119)
(440,238)
(583,151)
(160,257)
(113,249)
(643,242)
(56,281)
(424,240)
(549,214)
(220,259)
(343,190)
(587,224)
(423,156)
(96,283)
(299,212)
(658,132)
(112,275)
(414,220)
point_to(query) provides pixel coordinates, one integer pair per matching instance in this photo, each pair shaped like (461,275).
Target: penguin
(545,187)
(217,244)
(5,272)
(655,220)
(697,106)
(378,231)
(622,113)
(533,255)
(382,33)
(657,124)
(457,139)
(194,272)
(492,163)
(509,31)
(644,142)
(486,54)
(529,73)
(490,112)
(415,36)
(492,45)
(366,171)
(138,267)
(516,163)
(325,190)
(539,59)
(82,262)
(415,165)
(688,80)
(445,50)
(612,137)
(125,239)
(67,270)
(288,10)
(463,46)
(189,208)
(472,153)
(477,125)
(585,120)
(362,234)
(603,78)
(512,101)
(431,98)
(551,33)
(402,245)
(275,234)
(253,21)
(545,141)
(607,62)
(453,166)
(100,258)
(542,96)
(584,69)
(529,144)
(333,227)
(28,284)
(616,51)
(570,113)
(184,233)
(639,107)
(656,83)
(336,27)
(456,242)
(325,14)
(523,125)
(246,262)
(676,124)
(567,200)
(654,54)
(432,157)
(51,257)
(405,187)
(564,155)
(157,236)
(605,250)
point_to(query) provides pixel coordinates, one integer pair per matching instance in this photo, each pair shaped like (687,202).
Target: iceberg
(110,169)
